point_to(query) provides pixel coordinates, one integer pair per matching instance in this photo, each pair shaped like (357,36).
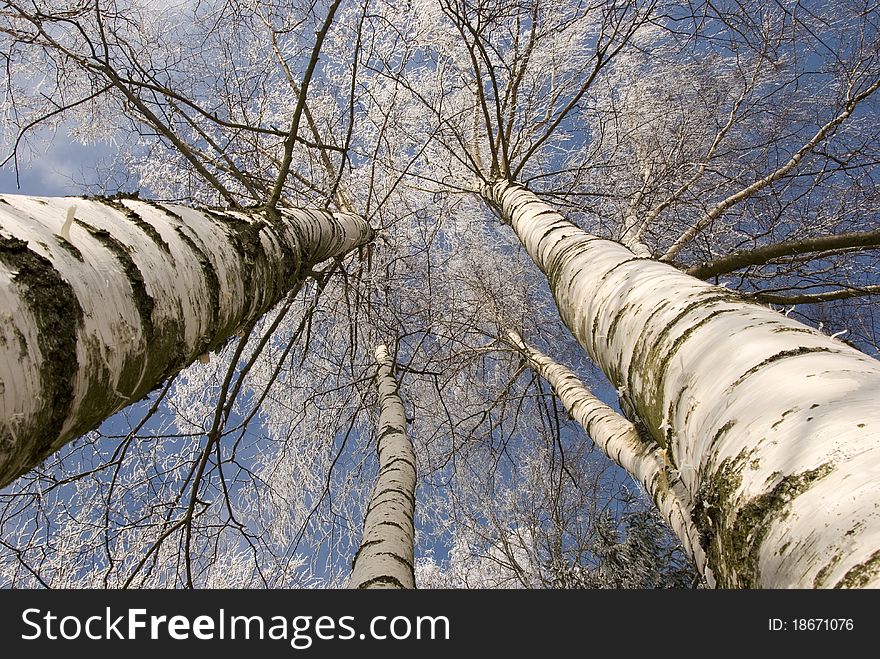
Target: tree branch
(767,253)
(291,138)
(721,207)
(813,298)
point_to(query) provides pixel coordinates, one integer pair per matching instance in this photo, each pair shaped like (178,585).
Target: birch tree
(651,329)
(119,69)
(746,488)
(102,308)
(621,440)
(386,556)
(735,142)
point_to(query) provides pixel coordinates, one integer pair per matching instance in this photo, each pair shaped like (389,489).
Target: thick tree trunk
(104,299)
(622,442)
(385,558)
(772,426)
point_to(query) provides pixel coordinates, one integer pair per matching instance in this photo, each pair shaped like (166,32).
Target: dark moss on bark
(822,575)
(653,355)
(862,574)
(58,316)
(732,530)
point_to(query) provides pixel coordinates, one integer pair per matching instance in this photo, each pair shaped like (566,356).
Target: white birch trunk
(385,558)
(102,300)
(620,441)
(773,427)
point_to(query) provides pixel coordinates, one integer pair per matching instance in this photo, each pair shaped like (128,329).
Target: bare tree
(733,141)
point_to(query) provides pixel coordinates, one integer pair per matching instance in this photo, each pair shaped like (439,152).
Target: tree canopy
(734,141)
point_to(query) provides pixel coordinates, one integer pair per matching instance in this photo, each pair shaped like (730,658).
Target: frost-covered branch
(721,207)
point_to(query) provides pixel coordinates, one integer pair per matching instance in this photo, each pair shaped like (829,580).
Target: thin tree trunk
(103,299)
(619,439)
(385,558)
(772,426)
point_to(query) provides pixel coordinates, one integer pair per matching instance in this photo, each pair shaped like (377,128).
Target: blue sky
(52,166)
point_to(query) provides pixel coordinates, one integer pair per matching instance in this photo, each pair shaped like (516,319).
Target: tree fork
(386,555)
(772,426)
(102,300)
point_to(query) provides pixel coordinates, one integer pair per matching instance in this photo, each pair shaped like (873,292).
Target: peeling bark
(102,300)
(386,555)
(772,426)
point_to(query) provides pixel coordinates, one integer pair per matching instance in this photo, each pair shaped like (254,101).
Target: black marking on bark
(132,215)
(170,213)
(783,354)
(405,497)
(551,233)
(364,545)
(399,559)
(389,430)
(782,418)
(58,315)
(274,275)
(211,281)
(396,525)
(383,579)
(69,247)
(142,299)
(610,271)
(615,321)
(550,211)
(22,343)
(566,257)
(389,465)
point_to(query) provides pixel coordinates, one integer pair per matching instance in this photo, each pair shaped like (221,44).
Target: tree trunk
(103,299)
(385,558)
(622,442)
(772,426)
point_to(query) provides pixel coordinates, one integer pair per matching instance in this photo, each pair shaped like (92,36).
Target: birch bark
(772,426)
(101,300)
(386,555)
(619,439)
